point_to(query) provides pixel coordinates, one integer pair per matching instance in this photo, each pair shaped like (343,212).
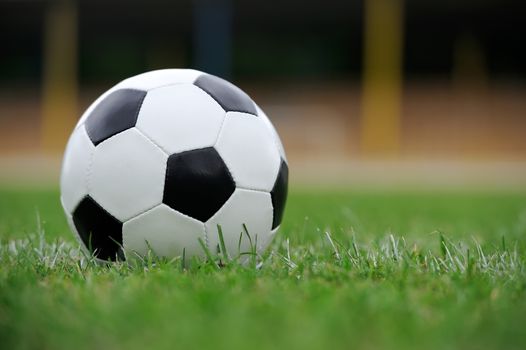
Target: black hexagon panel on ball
(198,183)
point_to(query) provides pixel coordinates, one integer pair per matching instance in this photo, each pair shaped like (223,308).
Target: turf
(349,269)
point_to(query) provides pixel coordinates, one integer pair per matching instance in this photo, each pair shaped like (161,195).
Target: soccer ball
(163,158)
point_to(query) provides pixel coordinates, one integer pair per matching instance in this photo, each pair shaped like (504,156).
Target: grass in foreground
(339,275)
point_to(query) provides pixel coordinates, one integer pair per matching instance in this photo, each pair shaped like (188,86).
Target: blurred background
(368,92)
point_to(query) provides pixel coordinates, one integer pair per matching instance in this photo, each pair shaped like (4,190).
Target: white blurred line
(31,170)
(409,174)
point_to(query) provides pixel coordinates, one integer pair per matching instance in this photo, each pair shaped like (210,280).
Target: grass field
(349,269)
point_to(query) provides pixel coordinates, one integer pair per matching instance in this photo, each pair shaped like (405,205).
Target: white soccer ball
(161,159)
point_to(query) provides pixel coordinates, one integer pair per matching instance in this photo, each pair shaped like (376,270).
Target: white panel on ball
(147,81)
(69,219)
(75,167)
(264,243)
(165,231)
(248,149)
(252,208)
(161,77)
(171,116)
(273,131)
(127,176)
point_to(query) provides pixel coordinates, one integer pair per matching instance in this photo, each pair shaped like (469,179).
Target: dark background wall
(289,39)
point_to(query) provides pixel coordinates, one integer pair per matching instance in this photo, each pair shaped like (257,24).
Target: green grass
(349,269)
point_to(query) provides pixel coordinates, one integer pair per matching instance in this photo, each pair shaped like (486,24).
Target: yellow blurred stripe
(382,82)
(59,95)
